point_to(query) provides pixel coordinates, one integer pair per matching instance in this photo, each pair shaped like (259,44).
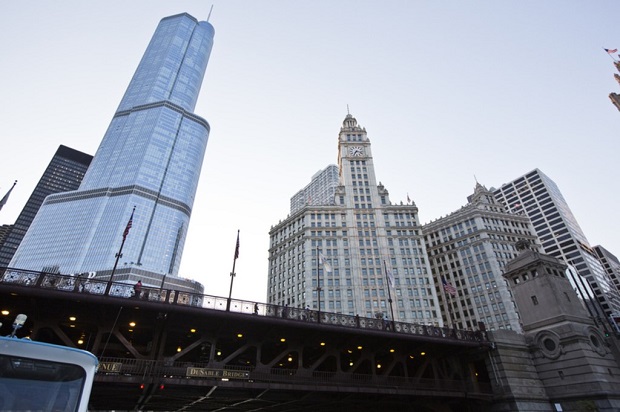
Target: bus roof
(47,351)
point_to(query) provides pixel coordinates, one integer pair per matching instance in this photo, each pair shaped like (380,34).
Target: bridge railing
(76,284)
(149,369)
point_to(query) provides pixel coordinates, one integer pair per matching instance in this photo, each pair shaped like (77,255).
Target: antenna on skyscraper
(209,16)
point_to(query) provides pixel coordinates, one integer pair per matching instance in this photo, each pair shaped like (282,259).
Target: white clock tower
(375,249)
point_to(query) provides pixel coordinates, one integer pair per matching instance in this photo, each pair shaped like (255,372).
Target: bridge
(173,350)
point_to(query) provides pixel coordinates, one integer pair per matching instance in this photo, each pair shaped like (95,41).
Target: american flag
(237,247)
(326,266)
(390,275)
(129,224)
(611,51)
(6,197)
(447,286)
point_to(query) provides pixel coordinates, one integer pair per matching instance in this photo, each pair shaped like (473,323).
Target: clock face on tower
(356,151)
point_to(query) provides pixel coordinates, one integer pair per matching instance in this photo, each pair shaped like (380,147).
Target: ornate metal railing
(94,286)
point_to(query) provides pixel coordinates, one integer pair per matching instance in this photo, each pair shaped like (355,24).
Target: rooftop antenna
(209,16)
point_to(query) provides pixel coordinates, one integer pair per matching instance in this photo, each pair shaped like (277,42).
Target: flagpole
(6,197)
(389,294)
(448,301)
(120,250)
(318,282)
(232,274)
(450,312)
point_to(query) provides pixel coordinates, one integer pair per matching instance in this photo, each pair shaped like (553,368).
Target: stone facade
(352,251)
(469,249)
(564,361)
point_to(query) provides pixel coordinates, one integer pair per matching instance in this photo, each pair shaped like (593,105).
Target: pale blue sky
(447,90)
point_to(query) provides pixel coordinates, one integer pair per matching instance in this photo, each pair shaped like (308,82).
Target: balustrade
(78,284)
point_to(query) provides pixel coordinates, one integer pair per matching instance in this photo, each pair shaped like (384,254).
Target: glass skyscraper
(150,158)
(64,172)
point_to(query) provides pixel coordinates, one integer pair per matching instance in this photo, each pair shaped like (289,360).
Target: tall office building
(535,195)
(4,232)
(610,264)
(359,234)
(468,250)
(64,173)
(150,158)
(320,190)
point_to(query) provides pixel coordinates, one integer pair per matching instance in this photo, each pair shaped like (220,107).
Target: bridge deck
(180,351)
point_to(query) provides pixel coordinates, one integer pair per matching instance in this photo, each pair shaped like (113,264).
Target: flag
(129,224)
(237,246)
(408,200)
(611,51)
(447,286)
(390,276)
(6,197)
(325,263)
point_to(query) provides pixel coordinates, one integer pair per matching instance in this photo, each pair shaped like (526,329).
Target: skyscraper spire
(6,197)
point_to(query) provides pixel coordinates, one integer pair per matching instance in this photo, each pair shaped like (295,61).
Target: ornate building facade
(358,253)
(468,249)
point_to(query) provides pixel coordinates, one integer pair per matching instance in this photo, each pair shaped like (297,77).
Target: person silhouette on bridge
(285,311)
(77,286)
(386,323)
(137,288)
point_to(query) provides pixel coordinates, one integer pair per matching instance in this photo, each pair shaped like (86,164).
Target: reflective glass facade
(150,158)
(64,172)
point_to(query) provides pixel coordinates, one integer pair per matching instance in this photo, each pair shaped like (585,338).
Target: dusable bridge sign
(216,373)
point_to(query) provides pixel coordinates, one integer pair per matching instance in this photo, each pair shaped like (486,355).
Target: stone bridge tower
(567,363)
